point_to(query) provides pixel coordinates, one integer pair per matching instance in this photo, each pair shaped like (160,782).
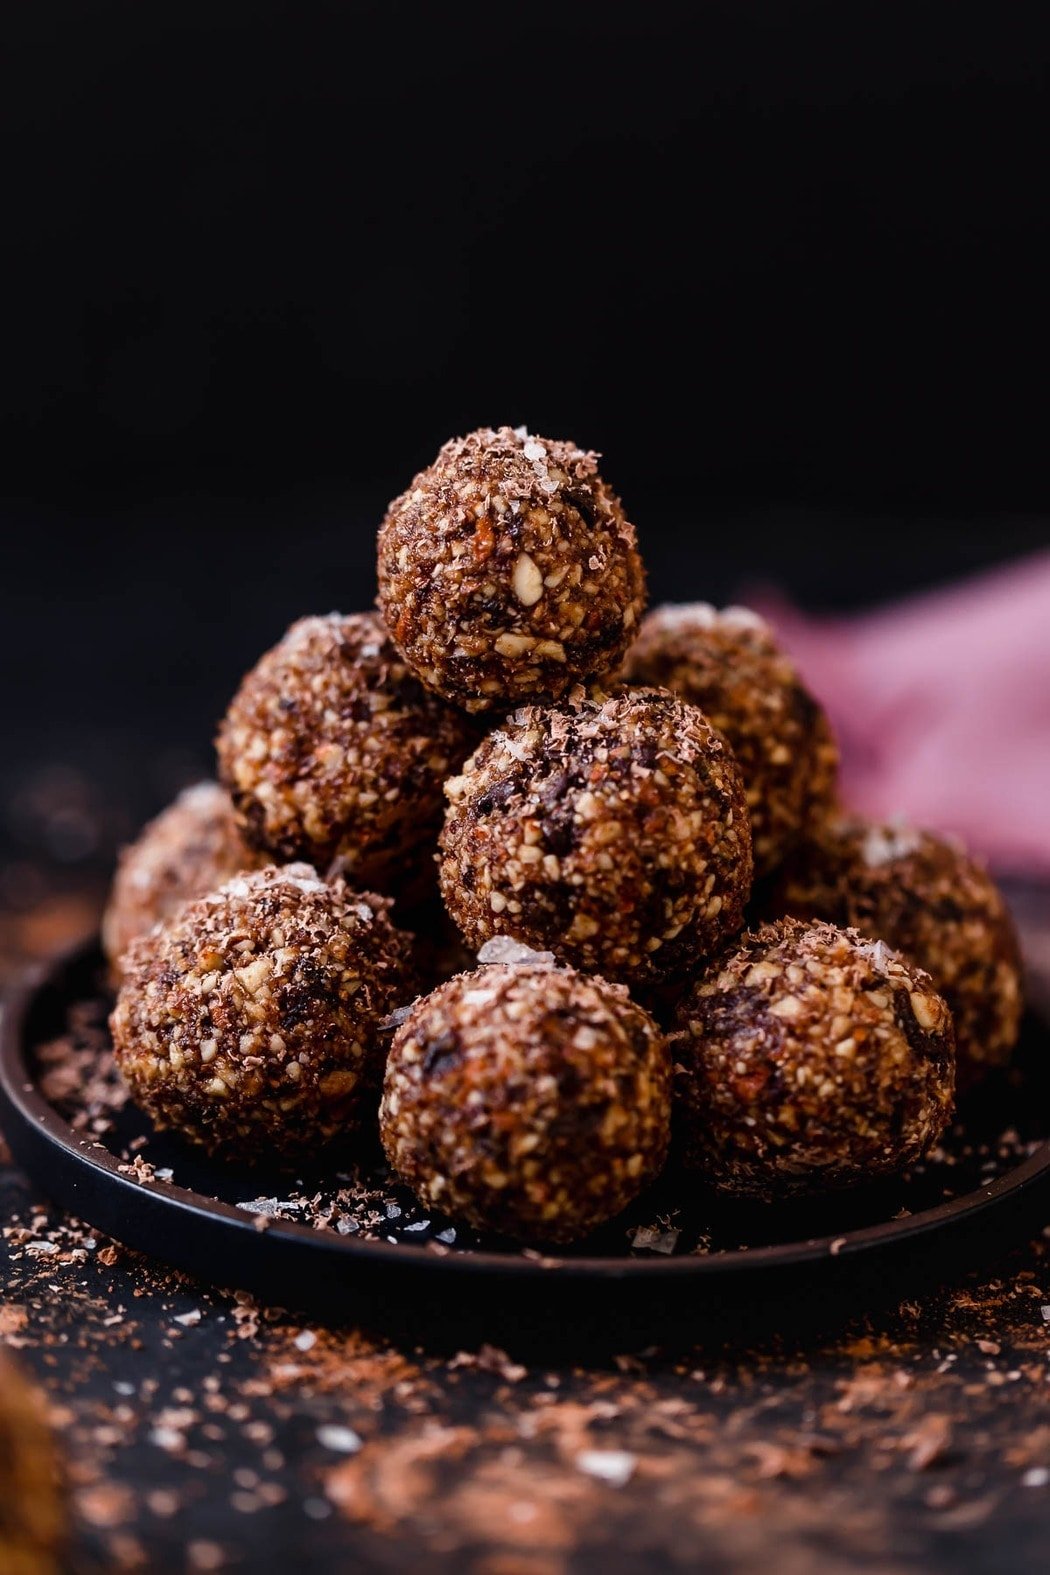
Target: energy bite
(527,1100)
(729,665)
(332,749)
(250,1022)
(810,1058)
(613,831)
(508,571)
(33,1520)
(924,895)
(191,847)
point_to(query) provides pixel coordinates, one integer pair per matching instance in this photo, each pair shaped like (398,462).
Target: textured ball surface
(613,832)
(332,749)
(250,1022)
(508,571)
(528,1100)
(191,848)
(925,896)
(728,664)
(810,1058)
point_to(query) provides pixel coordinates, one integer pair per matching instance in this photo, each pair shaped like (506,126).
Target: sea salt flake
(267,1206)
(614,1466)
(881,956)
(684,615)
(343,1440)
(501,949)
(648,1239)
(883,844)
(395,1018)
(743,618)
(238,887)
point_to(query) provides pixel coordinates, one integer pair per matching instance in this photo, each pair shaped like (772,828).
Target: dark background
(784,264)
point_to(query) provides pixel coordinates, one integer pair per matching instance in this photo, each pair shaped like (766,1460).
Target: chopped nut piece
(527,581)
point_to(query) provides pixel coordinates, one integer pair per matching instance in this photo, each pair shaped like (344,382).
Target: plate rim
(22,1101)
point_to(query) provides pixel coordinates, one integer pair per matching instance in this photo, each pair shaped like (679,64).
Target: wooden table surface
(201,1432)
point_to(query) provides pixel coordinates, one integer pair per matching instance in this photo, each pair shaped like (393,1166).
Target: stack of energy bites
(598,791)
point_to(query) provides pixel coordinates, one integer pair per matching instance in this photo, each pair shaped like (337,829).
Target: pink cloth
(942,707)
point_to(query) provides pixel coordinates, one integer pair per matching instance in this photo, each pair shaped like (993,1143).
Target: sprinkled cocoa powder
(612,831)
(204,1432)
(508,571)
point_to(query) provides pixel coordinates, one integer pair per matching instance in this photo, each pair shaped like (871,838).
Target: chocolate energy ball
(613,831)
(810,1058)
(249,1023)
(729,665)
(332,749)
(924,895)
(191,848)
(508,571)
(527,1099)
(32,1515)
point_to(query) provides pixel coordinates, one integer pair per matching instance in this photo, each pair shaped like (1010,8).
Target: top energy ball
(508,571)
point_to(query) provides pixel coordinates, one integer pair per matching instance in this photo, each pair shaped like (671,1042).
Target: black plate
(990,1187)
